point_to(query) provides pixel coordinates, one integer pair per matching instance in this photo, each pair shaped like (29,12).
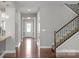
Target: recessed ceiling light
(28,17)
(28,9)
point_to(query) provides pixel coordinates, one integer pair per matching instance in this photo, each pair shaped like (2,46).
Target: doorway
(28,28)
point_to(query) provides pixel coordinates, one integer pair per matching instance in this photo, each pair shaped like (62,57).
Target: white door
(28,29)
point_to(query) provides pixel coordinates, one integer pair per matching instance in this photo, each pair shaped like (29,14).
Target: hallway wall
(52,18)
(53,15)
(18,28)
(10,29)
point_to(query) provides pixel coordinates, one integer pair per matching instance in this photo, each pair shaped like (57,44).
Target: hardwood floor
(46,53)
(63,55)
(28,48)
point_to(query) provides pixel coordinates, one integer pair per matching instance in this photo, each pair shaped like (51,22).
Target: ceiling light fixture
(28,9)
(3,13)
(28,17)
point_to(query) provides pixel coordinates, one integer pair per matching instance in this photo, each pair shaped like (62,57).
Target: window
(28,27)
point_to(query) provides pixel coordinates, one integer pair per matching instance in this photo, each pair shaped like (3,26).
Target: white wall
(53,15)
(10,29)
(53,18)
(18,28)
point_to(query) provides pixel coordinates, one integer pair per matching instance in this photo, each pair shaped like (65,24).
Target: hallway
(28,48)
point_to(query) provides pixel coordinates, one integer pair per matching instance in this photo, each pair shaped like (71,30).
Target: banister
(67,24)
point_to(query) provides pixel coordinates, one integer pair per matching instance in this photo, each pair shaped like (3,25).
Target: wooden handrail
(67,24)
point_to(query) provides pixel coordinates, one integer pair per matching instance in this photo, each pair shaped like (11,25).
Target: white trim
(67,51)
(1,56)
(12,51)
(38,43)
(45,46)
(18,44)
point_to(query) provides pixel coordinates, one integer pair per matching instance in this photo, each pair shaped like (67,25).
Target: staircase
(68,30)
(74,7)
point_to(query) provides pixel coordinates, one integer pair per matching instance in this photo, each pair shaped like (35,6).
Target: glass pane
(28,27)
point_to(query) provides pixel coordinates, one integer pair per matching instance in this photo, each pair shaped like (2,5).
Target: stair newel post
(55,42)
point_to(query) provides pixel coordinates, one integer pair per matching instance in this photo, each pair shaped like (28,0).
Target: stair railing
(66,32)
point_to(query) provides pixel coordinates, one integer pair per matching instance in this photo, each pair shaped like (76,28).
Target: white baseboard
(10,51)
(45,46)
(67,51)
(1,56)
(18,44)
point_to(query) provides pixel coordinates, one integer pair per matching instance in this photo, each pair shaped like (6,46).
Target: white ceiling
(41,3)
(24,10)
(6,4)
(35,5)
(22,6)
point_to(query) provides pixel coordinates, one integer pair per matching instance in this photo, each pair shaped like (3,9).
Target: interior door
(28,28)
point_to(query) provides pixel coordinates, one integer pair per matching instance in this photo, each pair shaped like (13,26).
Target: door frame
(33,28)
(28,21)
